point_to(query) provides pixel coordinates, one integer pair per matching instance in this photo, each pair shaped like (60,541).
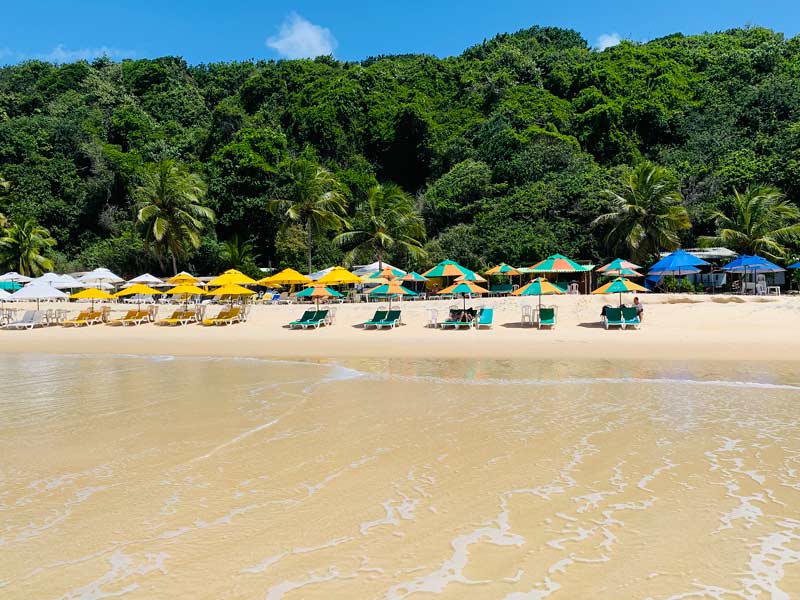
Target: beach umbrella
(285,277)
(231,290)
(794,265)
(446,268)
(371,279)
(92,294)
(15,279)
(185,290)
(231,277)
(465,288)
(502,269)
(37,291)
(318,291)
(388,273)
(145,279)
(137,289)
(558,263)
(471,276)
(538,287)
(620,286)
(100,276)
(678,263)
(413,276)
(338,276)
(622,273)
(618,264)
(752,264)
(183,278)
(391,289)
(67,282)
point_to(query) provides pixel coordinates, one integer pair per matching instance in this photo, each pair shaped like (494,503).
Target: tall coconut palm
(237,253)
(386,219)
(647,215)
(760,221)
(312,198)
(170,202)
(23,246)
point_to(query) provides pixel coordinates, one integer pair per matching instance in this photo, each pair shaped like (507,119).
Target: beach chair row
(622,317)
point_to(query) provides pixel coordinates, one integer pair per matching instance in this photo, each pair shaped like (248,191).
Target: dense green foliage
(507,148)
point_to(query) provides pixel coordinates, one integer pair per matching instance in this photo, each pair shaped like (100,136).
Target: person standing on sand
(639,308)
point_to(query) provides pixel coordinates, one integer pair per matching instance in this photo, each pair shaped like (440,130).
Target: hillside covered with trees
(524,145)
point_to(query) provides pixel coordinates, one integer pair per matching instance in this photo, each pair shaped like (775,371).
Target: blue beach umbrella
(678,263)
(794,265)
(752,264)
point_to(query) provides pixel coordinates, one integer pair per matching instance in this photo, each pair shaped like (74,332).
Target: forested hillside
(505,150)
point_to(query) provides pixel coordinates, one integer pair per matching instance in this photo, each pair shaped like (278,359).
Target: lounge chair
(223,314)
(128,315)
(485,318)
(613,318)
(140,316)
(307,316)
(29,320)
(455,320)
(547,317)
(225,317)
(84,318)
(631,317)
(320,318)
(391,320)
(501,290)
(377,318)
(179,317)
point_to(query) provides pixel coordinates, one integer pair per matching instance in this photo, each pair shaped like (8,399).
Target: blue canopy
(679,262)
(752,264)
(794,265)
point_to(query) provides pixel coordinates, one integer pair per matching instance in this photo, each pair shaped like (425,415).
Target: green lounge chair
(631,317)
(307,316)
(456,322)
(391,320)
(320,318)
(485,318)
(376,319)
(613,318)
(547,317)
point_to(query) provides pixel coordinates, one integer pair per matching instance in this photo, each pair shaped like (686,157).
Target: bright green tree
(23,248)
(759,221)
(170,201)
(385,220)
(312,197)
(647,215)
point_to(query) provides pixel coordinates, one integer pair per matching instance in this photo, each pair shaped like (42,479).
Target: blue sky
(206,31)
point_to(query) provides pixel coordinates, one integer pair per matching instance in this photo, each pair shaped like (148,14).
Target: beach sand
(675,328)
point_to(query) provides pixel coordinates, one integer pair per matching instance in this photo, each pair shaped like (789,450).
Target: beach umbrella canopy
(285,277)
(232,276)
(231,290)
(502,269)
(4,295)
(538,287)
(465,288)
(414,276)
(137,289)
(14,277)
(183,278)
(391,289)
(623,273)
(618,264)
(794,265)
(752,264)
(100,275)
(620,286)
(471,276)
(145,279)
(375,280)
(388,273)
(338,276)
(37,291)
(185,290)
(318,291)
(679,262)
(92,294)
(446,268)
(558,263)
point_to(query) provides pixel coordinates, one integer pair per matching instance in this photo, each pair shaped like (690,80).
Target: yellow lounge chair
(180,317)
(223,314)
(172,319)
(140,316)
(85,317)
(233,316)
(129,315)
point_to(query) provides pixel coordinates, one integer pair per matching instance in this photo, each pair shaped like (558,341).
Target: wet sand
(390,479)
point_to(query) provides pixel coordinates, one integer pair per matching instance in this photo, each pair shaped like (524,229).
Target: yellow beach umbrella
(183,278)
(231,290)
(138,289)
(185,290)
(92,294)
(231,276)
(338,276)
(285,277)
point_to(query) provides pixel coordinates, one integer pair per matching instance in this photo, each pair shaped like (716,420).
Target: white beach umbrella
(145,279)
(37,291)
(47,278)
(15,277)
(100,276)
(67,282)
(4,295)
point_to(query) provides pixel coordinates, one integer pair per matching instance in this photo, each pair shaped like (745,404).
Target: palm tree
(313,198)
(760,221)
(237,253)
(647,215)
(385,219)
(23,245)
(170,201)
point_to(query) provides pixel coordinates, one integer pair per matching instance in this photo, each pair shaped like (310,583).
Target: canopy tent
(678,263)
(620,286)
(37,291)
(538,287)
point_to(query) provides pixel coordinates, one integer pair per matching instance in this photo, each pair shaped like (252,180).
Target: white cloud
(300,38)
(60,54)
(607,40)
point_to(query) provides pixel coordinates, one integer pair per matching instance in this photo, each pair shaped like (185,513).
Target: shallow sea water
(147,478)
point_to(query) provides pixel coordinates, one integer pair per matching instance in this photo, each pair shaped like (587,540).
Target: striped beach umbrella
(558,263)
(391,289)
(618,264)
(465,288)
(538,287)
(620,286)
(502,269)
(413,276)
(318,291)
(447,268)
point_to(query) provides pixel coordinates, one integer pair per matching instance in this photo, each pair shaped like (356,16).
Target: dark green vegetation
(510,152)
